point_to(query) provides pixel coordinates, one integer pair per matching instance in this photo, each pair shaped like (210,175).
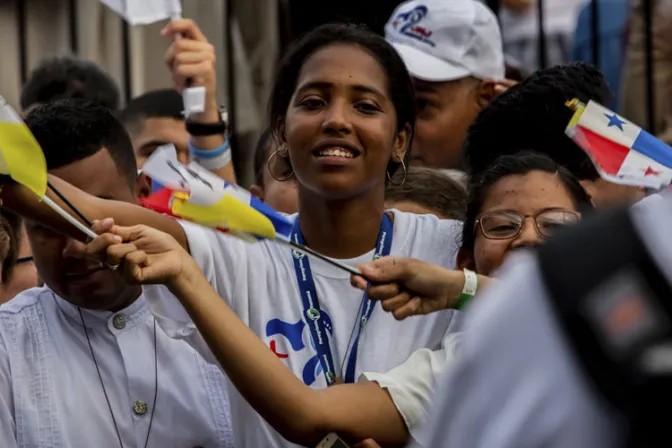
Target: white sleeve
(7,424)
(219,257)
(515,382)
(412,384)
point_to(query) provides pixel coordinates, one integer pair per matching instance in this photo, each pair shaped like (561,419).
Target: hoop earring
(270,171)
(389,178)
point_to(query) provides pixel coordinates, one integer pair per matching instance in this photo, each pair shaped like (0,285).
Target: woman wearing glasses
(517,203)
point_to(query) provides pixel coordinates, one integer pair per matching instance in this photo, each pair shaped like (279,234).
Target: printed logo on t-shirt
(293,341)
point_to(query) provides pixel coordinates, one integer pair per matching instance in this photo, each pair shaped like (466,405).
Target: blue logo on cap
(407,24)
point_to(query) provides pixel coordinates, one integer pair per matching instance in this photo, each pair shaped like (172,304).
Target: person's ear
(465,260)
(257,191)
(143,186)
(486,92)
(591,189)
(401,144)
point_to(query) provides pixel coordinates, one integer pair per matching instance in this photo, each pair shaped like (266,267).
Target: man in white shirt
(82,361)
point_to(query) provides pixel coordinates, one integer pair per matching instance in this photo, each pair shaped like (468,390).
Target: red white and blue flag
(621,151)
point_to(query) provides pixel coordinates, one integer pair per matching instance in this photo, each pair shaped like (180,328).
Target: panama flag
(621,151)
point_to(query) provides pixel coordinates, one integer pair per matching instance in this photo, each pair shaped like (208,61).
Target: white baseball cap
(446,40)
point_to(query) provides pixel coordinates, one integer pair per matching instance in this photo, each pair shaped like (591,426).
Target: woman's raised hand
(143,255)
(408,287)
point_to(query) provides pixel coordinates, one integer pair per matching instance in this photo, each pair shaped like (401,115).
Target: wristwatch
(204,129)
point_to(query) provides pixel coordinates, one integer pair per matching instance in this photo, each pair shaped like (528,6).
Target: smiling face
(341,125)
(519,196)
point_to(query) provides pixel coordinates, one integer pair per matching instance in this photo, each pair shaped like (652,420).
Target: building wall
(99,37)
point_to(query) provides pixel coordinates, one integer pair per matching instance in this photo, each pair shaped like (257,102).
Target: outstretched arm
(302,415)
(409,287)
(23,202)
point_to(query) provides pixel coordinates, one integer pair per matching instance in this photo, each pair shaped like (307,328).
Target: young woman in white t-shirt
(394,403)
(342,112)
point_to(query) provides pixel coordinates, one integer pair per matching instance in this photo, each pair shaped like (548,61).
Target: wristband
(468,290)
(212,159)
(205,129)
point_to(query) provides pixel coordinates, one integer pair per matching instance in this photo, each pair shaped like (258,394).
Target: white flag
(144,12)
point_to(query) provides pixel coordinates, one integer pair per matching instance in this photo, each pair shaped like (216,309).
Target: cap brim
(427,67)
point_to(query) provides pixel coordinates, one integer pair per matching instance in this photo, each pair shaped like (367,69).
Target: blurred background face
(444,112)
(24,275)
(604,193)
(514,202)
(61,261)
(282,196)
(154,132)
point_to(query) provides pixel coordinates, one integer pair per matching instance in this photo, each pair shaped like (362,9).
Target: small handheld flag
(621,151)
(21,158)
(192,193)
(20,155)
(145,12)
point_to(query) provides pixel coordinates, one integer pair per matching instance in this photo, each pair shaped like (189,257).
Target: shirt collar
(131,316)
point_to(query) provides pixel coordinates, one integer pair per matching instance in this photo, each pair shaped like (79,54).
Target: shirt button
(140,408)
(119,322)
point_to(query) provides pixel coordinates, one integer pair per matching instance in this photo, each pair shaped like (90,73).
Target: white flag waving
(144,12)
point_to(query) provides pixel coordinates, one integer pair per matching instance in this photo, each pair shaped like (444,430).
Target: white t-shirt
(258,281)
(413,384)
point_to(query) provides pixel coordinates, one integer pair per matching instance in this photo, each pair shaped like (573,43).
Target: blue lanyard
(311,304)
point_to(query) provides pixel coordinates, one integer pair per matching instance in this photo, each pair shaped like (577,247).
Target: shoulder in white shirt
(259,283)
(515,382)
(412,385)
(51,394)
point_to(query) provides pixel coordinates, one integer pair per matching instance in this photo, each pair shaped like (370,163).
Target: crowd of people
(410,157)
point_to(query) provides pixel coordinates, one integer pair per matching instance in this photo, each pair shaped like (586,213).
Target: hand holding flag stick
(621,151)
(145,12)
(194,194)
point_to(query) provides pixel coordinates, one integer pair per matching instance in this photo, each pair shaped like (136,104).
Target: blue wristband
(208,153)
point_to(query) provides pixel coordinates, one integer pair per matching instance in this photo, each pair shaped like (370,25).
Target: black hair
(431,188)
(72,130)
(533,114)
(516,164)
(160,103)
(69,77)
(400,85)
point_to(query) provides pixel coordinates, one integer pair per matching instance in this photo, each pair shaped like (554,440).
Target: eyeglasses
(506,225)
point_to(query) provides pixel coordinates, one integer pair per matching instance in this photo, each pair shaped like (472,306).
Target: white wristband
(470,283)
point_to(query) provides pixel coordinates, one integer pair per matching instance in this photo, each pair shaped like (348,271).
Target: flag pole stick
(308,251)
(65,215)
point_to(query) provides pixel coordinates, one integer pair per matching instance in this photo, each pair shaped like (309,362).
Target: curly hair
(533,115)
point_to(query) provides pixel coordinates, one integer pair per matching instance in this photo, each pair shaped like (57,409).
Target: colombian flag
(621,151)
